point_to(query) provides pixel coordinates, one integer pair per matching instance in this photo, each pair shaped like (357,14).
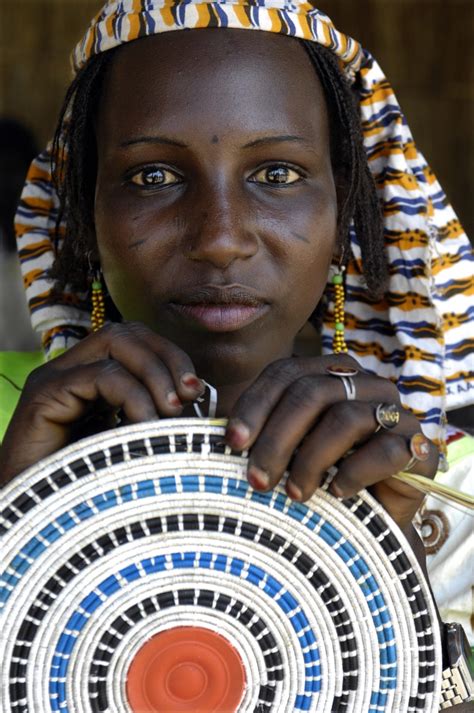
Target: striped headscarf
(421,333)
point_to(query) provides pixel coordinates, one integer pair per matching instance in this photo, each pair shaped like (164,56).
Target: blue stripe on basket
(237,488)
(104,501)
(51,533)
(190,483)
(126,493)
(167,484)
(146,489)
(213,483)
(83,511)
(65,521)
(185,560)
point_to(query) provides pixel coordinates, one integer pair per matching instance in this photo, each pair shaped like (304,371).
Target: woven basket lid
(141,572)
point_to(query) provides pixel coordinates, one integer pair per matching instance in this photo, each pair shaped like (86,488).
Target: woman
(213,179)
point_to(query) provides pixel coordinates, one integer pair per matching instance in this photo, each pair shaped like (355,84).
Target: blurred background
(424,46)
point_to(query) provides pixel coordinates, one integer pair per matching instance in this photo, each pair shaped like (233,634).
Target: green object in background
(14,370)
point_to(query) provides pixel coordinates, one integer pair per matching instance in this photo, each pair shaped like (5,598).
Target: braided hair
(74,165)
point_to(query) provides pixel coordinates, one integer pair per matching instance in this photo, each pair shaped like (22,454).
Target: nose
(222,232)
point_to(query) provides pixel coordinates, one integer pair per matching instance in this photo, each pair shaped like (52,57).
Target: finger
(188,384)
(253,408)
(342,426)
(67,399)
(148,357)
(50,406)
(300,408)
(382,456)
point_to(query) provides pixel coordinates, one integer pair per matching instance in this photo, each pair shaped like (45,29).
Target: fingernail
(192,382)
(336,490)
(237,434)
(173,400)
(257,478)
(293,491)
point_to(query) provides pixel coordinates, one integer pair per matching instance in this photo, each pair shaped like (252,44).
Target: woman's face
(215,201)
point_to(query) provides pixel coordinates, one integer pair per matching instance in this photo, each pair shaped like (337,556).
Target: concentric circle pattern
(141,572)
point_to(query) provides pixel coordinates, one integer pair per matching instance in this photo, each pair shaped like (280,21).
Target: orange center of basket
(186,669)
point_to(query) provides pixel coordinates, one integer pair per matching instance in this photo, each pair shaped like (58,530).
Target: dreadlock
(358,200)
(74,172)
(75,167)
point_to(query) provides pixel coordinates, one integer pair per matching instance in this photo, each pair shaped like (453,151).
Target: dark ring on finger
(387,416)
(419,447)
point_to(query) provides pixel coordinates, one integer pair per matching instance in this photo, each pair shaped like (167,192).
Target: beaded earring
(338,341)
(98,304)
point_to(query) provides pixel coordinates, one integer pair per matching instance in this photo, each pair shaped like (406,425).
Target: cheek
(131,238)
(312,257)
(312,235)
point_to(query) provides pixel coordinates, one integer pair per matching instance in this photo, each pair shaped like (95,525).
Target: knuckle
(109,368)
(393,447)
(282,370)
(349,360)
(153,371)
(304,391)
(112,330)
(138,329)
(343,360)
(343,416)
(130,332)
(387,391)
(37,377)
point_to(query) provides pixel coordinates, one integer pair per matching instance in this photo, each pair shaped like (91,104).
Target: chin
(224,364)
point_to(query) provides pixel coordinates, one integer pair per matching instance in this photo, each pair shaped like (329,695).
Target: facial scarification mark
(180,221)
(300,237)
(136,243)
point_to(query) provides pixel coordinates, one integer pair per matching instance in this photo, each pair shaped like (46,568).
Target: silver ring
(350,387)
(345,374)
(411,463)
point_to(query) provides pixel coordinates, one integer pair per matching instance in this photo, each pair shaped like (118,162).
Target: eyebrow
(153,140)
(172,142)
(276,139)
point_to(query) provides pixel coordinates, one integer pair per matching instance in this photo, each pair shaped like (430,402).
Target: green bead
(337,279)
(96,285)
(339,326)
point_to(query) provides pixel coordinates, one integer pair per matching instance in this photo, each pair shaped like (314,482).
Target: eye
(155,177)
(277,175)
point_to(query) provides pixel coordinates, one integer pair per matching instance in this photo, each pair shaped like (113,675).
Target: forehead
(220,78)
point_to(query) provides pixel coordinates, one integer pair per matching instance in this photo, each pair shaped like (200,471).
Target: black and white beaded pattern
(152,526)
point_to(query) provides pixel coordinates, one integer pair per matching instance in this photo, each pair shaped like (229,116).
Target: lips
(219,309)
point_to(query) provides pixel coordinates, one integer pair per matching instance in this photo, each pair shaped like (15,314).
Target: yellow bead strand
(338,342)
(98,306)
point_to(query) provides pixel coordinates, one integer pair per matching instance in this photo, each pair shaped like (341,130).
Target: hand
(123,367)
(295,405)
